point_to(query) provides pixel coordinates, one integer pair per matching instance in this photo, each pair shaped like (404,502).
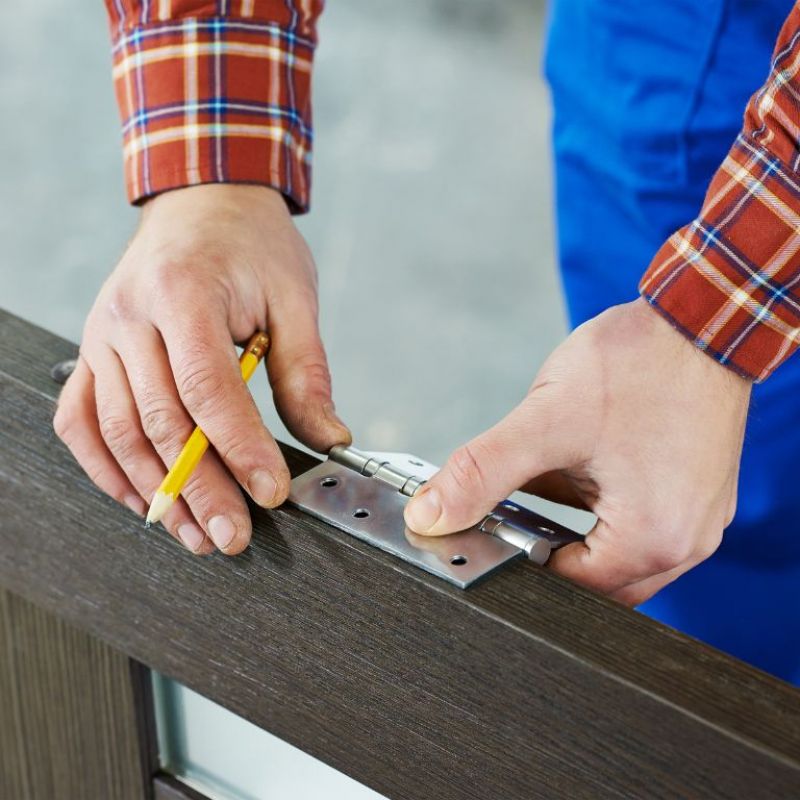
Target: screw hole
(329,482)
(415,462)
(458,561)
(361,513)
(61,371)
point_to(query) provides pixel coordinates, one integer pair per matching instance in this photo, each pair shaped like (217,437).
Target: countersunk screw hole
(458,561)
(329,483)
(361,513)
(61,371)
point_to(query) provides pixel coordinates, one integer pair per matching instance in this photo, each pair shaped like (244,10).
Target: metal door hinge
(364,493)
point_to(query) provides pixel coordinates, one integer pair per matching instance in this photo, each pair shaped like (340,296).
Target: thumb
(487,470)
(300,379)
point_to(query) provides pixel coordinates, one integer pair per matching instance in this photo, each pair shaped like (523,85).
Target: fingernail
(222,531)
(262,486)
(136,504)
(424,510)
(191,536)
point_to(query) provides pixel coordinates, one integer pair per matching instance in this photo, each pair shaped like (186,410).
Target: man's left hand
(628,419)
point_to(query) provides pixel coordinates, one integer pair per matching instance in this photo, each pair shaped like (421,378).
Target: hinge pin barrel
(536,547)
(532,538)
(384,471)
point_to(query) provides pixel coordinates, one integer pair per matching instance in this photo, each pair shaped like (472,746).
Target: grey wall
(431,221)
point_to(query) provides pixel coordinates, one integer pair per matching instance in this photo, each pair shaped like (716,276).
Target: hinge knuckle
(365,493)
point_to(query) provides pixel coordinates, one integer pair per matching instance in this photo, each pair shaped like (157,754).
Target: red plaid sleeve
(214,92)
(731,279)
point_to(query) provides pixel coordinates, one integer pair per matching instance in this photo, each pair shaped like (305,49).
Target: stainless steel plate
(373,512)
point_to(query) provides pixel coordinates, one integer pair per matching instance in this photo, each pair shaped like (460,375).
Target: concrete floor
(432,220)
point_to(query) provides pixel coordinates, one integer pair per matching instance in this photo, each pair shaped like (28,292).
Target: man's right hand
(209,265)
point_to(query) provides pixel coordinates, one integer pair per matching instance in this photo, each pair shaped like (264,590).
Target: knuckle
(466,468)
(662,559)
(234,447)
(198,498)
(120,306)
(671,551)
(209,494)
(201,387)
(659,537)
(313,369)
(670,540)
(118,433)
(309,371)
(160,423)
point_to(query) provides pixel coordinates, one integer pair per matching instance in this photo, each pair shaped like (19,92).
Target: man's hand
(209,265)
(628,419)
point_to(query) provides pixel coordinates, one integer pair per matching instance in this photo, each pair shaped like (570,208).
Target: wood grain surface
(67,720)
(523,687)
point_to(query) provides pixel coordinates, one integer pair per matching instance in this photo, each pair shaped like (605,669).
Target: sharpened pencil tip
(159,507)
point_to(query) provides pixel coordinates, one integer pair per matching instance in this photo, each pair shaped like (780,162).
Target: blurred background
(431,225)
(431,220)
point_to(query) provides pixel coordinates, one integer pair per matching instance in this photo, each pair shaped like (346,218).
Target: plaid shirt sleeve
(212,92)
(730,280)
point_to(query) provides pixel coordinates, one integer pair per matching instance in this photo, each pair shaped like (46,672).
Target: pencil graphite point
(159,507)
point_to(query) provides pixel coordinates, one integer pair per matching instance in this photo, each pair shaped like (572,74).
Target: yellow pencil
(197,444)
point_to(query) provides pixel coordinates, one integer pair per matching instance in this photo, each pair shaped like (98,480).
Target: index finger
(210,384)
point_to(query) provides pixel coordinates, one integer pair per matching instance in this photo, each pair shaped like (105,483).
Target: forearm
(730,280)
(215,93)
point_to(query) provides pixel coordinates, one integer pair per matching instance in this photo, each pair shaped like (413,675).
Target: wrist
(218,198)
(673,342)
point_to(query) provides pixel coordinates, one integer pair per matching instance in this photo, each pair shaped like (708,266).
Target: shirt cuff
(215,100)
(729,281)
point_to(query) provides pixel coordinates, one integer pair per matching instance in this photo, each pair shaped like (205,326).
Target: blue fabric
(648,98)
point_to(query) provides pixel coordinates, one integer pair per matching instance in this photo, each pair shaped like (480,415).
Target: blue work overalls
(648,97)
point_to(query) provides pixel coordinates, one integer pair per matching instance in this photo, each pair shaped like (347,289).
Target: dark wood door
(526,687)
(68,725)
